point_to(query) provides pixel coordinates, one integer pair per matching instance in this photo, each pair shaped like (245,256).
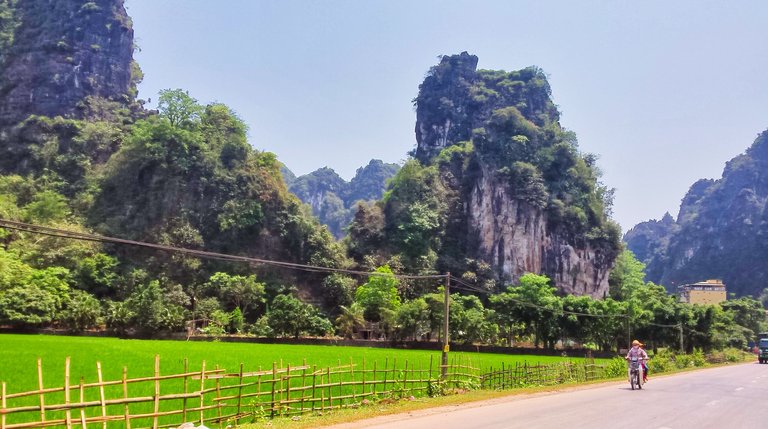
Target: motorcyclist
(637,352)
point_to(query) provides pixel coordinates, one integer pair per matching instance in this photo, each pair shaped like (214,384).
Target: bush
(698,358)
(663,361)
(83,311)
(616,368)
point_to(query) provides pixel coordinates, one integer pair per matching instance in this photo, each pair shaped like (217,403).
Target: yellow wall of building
(706,296)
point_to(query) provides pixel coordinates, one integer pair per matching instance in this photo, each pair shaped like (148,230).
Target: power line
(530,304)
(63,233)
(462,285)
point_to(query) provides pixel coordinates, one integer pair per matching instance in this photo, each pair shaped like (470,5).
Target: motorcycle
(636,373)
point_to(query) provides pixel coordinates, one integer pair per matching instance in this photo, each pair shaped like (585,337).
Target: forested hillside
(78,152)
(334,200)
(719,232)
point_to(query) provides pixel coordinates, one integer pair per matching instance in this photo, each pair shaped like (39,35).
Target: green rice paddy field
(19,354)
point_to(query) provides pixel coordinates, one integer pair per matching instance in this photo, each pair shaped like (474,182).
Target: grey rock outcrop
(519,216)
(58,52)
(720,231)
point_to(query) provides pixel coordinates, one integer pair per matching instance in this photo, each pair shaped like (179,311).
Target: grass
(19,354)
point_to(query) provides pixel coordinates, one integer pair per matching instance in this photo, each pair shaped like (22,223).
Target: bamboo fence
(523,374)
(218,397)
(214,396)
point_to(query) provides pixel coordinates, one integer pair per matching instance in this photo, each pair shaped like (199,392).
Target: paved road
(733,397)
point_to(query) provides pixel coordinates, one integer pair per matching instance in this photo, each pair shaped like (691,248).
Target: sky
(664,92)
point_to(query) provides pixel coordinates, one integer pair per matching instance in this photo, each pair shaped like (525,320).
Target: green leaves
(378,294)
(288,316)
(179,108)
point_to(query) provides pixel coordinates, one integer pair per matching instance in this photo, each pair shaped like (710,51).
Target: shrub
(616,368)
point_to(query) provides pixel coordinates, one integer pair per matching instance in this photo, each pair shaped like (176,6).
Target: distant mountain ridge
(332,198)
(720,232)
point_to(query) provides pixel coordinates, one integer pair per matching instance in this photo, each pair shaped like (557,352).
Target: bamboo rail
(167,401)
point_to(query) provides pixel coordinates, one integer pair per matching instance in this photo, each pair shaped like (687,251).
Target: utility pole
(629,326)
(680,326)
(446,310)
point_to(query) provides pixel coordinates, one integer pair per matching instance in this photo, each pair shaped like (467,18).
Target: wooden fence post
(386,368)
(125,395)
(303,385)
(157,393)
(374,377)
(202,393)
(429,374)
(405,378)
(330,393)
(274,380)
(362,389)
(218,397)
(40,386)
(239,393)
(288,389)
(82,399)
(352,376)
(186,389)
(3,405)
(66,393)
(101,395)
(314,383)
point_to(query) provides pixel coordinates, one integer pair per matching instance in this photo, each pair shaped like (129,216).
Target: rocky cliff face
(720,231)
(518,196)
(58,52)
(514,237)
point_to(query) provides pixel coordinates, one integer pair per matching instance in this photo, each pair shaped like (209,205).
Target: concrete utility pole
(446,310)
(680,326)
(629,326)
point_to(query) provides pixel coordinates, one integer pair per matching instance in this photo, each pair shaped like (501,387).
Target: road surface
(732,397)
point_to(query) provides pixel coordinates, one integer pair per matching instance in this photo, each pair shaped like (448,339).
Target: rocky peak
(441,118)
(720,230)
(514,192)
(59,52)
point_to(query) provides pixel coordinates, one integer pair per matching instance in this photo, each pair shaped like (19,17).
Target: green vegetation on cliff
(333,200)
(476,128)
(719,231)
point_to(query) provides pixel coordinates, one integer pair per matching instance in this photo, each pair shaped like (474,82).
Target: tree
(240,292)
(96,274)
(378,294)
(349,319)
(47,206)
(119,316)
(288,316)
(534,304)
(607,330)
(627,275)
(152,312)
(338,291)
(470,321)
(746,312)
(575,326)
(179,107)
(28,305)
(412,319)
(82,311)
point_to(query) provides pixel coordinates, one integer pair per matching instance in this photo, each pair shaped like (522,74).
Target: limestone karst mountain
(721,230)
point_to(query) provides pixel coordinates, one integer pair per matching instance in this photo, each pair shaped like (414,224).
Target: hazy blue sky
(665,92)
